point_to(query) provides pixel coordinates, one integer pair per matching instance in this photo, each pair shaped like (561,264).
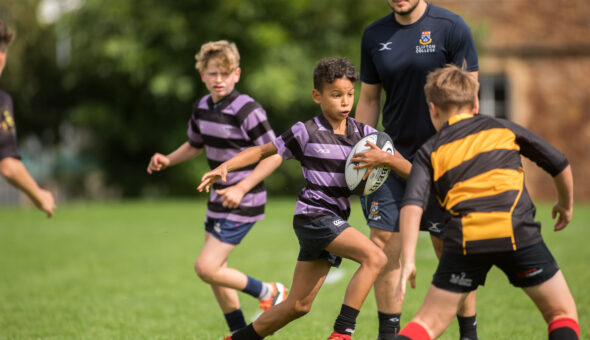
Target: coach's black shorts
(524,267)
(315,237)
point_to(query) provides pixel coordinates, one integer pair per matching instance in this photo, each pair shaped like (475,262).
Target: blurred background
(100,85)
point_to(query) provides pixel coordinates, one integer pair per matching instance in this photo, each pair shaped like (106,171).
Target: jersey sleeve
(369,72)
(193,132)
(462,46)
(8,140)
(535,148)
(292,143)
(256,126)
(420,180)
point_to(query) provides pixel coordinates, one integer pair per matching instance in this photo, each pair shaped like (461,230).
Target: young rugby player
(224,123)
(321,145)
(11,167)
(473,167)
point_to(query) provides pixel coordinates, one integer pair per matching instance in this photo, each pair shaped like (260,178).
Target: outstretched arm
(564,183)
(16,174)
(159,162)
(232,196)
(410,216)
(249,156)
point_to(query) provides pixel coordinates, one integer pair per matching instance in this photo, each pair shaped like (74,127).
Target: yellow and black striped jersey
(473,167)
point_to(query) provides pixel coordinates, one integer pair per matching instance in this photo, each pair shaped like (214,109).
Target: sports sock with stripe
(564,329)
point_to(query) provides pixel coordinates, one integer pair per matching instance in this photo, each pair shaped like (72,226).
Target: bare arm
(232,196)
(409,227)
(368,107)
(159,162)
(247,157)
(564,183)
(16,174)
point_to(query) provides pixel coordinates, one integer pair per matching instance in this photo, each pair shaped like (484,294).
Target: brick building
(535,70)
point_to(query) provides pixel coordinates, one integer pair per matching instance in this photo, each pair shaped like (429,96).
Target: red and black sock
(564,329)
(413,331)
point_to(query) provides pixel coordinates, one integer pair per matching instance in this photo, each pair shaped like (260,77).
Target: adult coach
(397,52)
(11,167)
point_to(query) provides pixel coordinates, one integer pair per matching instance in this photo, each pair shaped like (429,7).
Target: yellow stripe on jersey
(452,154)
(489,183)
(487,225)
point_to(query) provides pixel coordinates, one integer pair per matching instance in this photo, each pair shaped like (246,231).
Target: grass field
(124,270)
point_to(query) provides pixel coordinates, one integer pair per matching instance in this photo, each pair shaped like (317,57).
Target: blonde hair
(224,51)
(451,86)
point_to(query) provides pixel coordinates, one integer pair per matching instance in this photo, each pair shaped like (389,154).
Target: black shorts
(315,237)
(524,267)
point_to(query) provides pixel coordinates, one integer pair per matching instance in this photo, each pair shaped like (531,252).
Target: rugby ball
(354,177)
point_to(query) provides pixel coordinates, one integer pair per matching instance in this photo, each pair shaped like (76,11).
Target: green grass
(124,270)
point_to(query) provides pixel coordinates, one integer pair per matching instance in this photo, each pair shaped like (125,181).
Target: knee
(204,272)
(377,259)
(298,309)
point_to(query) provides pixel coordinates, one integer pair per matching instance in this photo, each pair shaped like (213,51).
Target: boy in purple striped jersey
(321,145)
(224,123)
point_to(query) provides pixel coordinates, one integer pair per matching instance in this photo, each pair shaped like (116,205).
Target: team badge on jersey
(426,38)
(6,122)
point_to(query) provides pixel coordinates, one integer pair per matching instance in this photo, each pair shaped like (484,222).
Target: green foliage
(124,270)
(125,76)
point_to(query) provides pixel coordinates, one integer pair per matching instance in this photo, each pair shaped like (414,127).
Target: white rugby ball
(354,177)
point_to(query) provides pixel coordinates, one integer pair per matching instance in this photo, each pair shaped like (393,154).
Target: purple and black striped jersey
(224,129)
(8,141)
(322,155)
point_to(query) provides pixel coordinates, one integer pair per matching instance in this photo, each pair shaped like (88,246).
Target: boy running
(223,123)
(321,145)
(11,166)
(473,167)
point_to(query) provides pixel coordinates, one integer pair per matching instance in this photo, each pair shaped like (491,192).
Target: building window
(493,95)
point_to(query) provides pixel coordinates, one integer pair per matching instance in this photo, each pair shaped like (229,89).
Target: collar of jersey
(459,117)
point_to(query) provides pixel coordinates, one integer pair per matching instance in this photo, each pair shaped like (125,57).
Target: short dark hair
(5,37)
(329,69)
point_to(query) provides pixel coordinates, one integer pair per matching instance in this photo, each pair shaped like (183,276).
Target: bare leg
(307,280)
(553,299)
(211,267)
(354,245)
(386,283)
(438,310)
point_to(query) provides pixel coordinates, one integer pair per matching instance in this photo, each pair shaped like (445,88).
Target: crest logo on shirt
(7,123)
(426,38)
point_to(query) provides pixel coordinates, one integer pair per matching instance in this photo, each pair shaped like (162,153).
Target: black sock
(247,333)
(235,320)
(346,320)
(467,327)
(388,325)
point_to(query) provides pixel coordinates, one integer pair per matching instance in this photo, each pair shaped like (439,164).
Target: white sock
(266,291)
